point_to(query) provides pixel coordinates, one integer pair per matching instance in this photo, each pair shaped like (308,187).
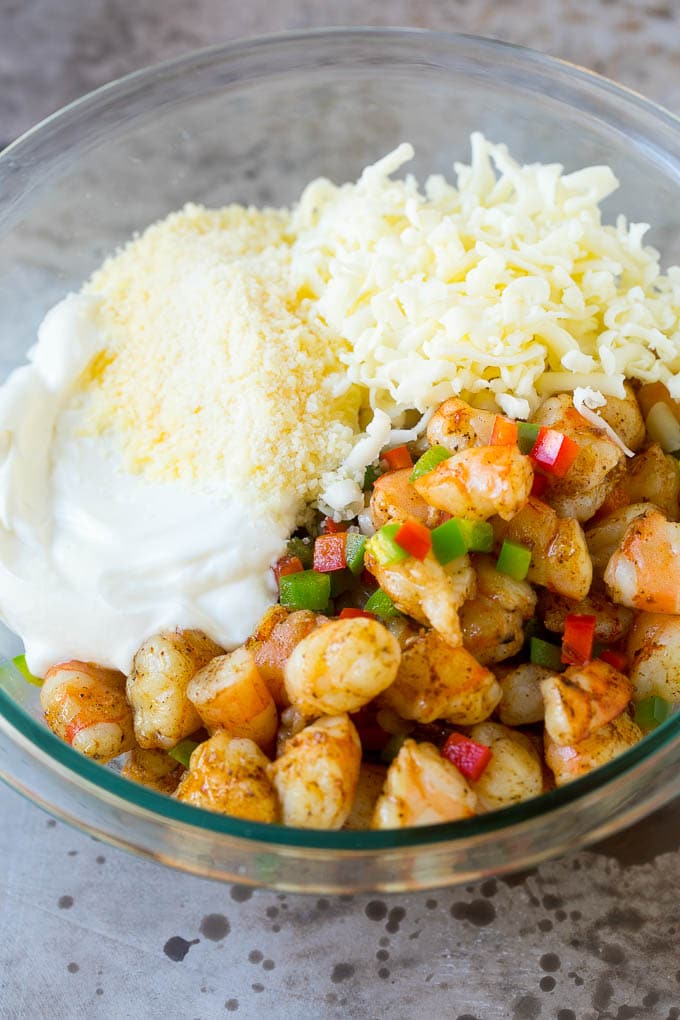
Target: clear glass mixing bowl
(253,123)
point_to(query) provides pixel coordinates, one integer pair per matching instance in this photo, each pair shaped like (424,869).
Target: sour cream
(94,559)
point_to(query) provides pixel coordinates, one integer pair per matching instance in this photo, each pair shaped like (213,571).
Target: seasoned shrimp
(85,706)
(644,571)
(229,775)
(604,536)
(515,771)
(436,681)
(492,621)
(277,635)
(653,477)
(582,700)
(427,591)
(229,694)
(611,621)
(521,699)
(152,768)
(654,652)
(569,761)
(157,686)
(596,469)
(457,426)
(560,560)
(422,788)
(479,483)
(316,776)
(369,788)
(341,666)
(395,499)
(624,416)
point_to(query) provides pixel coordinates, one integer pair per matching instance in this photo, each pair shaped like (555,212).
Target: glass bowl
(253,122)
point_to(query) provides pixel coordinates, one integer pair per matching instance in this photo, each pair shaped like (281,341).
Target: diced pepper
(469,757)
(332,527)
(539,485)
(554,452)
(384,547)
(477,535)
(355,547)
(504,432)
(578,637)
(398,458)
(371,475)
(616,659)
(651,712)
(456,537)
(382,605)
(350,613)
(415,538)
(544,653)
(329,552)
(306,590)
(303,548)
(182,752)
(428,462)
(527,434)
(514,560)
(20,663)
(392,748)
(287,565)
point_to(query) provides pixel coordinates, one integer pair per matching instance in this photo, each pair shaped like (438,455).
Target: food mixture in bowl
(359,513)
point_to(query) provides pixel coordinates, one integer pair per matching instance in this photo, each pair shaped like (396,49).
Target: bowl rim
(133,795)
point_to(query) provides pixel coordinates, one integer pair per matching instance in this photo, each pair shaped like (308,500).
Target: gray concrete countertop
(90,932)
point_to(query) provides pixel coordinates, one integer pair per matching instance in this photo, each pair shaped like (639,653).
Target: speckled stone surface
(89,932)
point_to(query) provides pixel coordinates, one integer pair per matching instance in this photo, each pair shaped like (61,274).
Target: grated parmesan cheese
(276,350)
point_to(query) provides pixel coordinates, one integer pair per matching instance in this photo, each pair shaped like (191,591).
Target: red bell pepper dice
(469,757)
(329,552)
(350,614)
(398,458)
(287,565)
(577,641)
(415,539)
(554,452)
(504,432)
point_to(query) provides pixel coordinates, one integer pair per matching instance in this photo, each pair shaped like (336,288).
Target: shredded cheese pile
(252,348)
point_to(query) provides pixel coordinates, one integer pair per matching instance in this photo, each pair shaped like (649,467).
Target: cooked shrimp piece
(654,653)
(84,704)
(395,499)
(582,700)
(596,469)
(653,477)
(644,571)
(479,483)
(316,776)
(422,788)
(229,775)
(152,768)
(604,536)
(424,589)
(560,560)
(569,761)
(157,686)
(229,694)
(624,416)
(436,681)
(369,788)
(457,426)
(341,666)
(492,621)
(521,699)
(515,771)
(611,621)
(273,642)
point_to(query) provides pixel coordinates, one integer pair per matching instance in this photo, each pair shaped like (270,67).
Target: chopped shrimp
(654,652)
(422,788)
(479,483)
(653,477)
(644,571)
(611,621)
(429,592)
(395,499)
(273,642)
(604,536)
(560,560)
(569,761)
(229,775)
(521,699)
(436,681)
(85,706)
(341,666)
(369,788)
(153,768)
(493,620)
(582,700)
(229,694)
(316,776)
(157,686)
(596,469)
(515,771)
(457,426)
(624,416)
